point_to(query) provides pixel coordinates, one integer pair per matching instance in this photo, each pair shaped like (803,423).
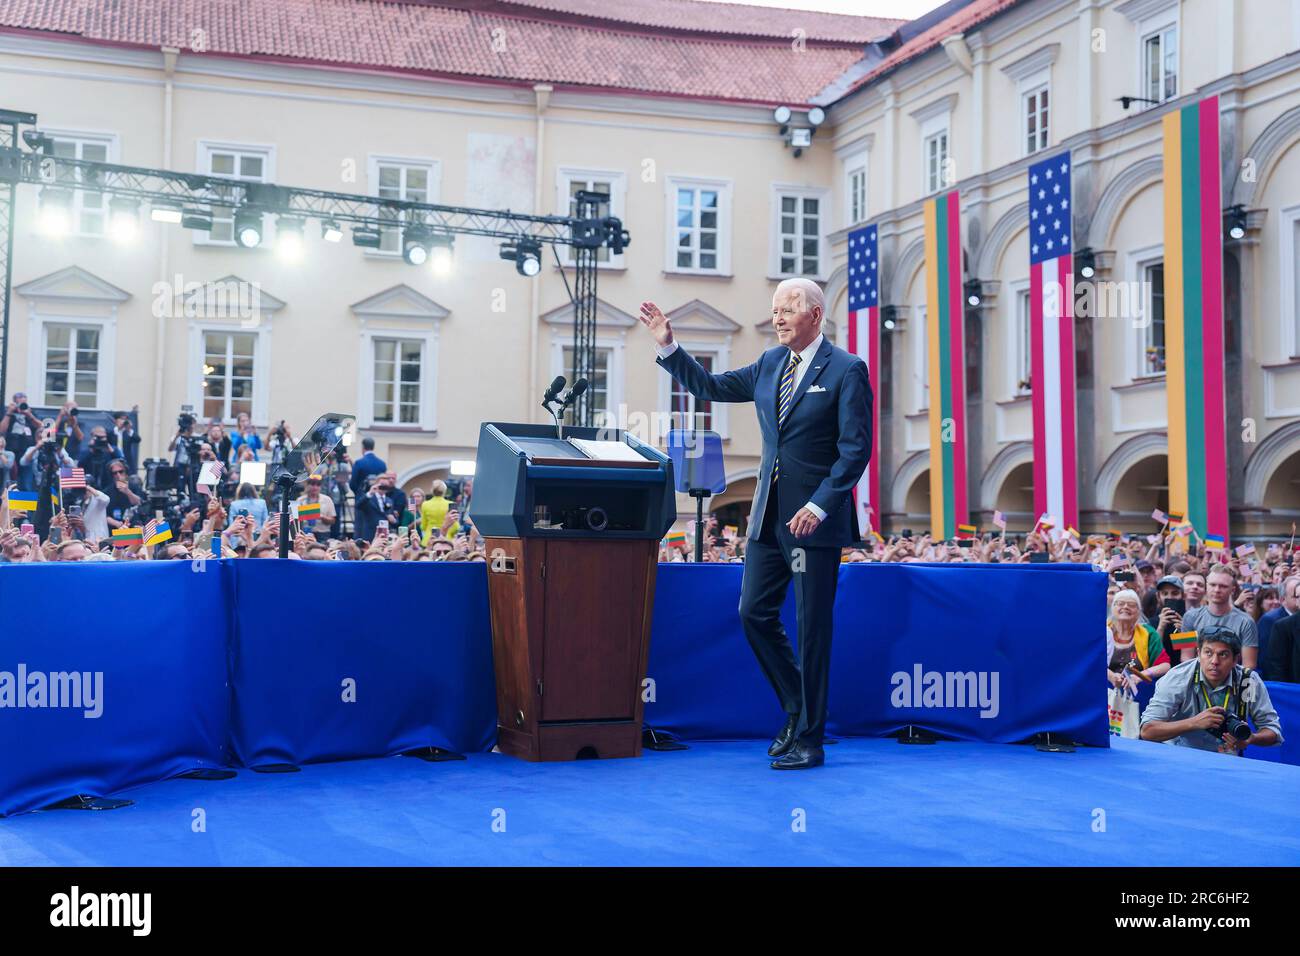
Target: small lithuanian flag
(308,510)
(966,530)
(1183,639)
(677,539)
(125,536)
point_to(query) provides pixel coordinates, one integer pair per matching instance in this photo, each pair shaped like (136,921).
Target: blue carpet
(875,803)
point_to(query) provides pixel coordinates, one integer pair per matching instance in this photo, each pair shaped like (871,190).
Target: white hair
(811,292)
(1128,594)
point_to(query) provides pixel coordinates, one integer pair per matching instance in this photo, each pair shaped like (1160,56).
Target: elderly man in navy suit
(813,402)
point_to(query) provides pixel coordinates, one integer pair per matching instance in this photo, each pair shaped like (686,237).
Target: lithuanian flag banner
(944,338)
(1194,377)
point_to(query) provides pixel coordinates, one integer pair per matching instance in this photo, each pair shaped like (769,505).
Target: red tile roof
(680,48)
(964,19)
(733,19)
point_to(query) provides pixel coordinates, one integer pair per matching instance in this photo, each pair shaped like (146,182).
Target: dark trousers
(772,561)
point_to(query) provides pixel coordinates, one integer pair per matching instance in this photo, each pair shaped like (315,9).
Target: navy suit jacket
(824,445)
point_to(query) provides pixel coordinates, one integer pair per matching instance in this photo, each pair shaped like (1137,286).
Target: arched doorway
(1282,493)
(916,504)
(1015,497)
(1143,486)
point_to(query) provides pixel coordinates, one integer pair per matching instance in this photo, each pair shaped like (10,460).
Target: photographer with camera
(95,459)
(127,440)
(184,447)
(1205,702)
(67,429)
(43,461)
(279,442)
(20,428)
(378,509)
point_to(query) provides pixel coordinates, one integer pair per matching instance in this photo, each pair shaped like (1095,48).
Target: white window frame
(111,141)
(562,339)
(931,130)
(432,167)
(1288,265)
(1147,35)
(720,351)
(203,164)
(855,167)
(1037,84)
(428,377)
(724,190)
(261,366)
(564,177)
(1019,344)
(106,326)
(1137,262)
(920,358)
(781,191)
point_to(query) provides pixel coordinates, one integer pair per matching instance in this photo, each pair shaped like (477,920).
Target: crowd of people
(74,494)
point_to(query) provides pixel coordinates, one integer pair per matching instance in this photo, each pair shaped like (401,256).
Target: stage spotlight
(366,238)
(781,114)
(816,116)
(889,325)
(331,231)
(200,220)
(166,212)
(526,255)
(248,227)
(289,238)
(415,245)
(462,467)
(123,218)
(973,292)
(1086,263)
(1237,222)
(55,216)
(440,256)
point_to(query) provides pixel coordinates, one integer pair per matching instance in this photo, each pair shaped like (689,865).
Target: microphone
(572,394)
(553,391)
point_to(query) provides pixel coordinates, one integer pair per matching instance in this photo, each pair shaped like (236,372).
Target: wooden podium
(572,543)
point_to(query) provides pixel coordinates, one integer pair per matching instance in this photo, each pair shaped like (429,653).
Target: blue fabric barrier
(413,639)
(162,698)
(1038,628)
(1286,701)
(246,662)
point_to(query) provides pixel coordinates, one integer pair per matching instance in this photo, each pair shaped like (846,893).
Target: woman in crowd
(412,516)
(1129,640)
(247,503)
(433,513)
(1266,599)
(246,436)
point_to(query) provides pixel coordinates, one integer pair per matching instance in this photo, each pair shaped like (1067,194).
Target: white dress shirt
(805,361)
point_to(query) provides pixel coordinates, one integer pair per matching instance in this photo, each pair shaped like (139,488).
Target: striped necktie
(785,394)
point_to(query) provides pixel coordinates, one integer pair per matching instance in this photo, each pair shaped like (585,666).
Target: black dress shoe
(784,740)
(801,757)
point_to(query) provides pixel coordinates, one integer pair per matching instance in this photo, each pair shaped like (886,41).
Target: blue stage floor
(875,803)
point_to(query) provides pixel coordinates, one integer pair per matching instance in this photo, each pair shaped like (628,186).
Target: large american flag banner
(864,340)
(1051,340)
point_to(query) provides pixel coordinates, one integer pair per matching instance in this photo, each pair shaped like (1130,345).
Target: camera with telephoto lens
(1234,725)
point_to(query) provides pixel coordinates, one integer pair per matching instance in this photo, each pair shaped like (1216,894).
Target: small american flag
(72,478)
(1000,520)
(209,476)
